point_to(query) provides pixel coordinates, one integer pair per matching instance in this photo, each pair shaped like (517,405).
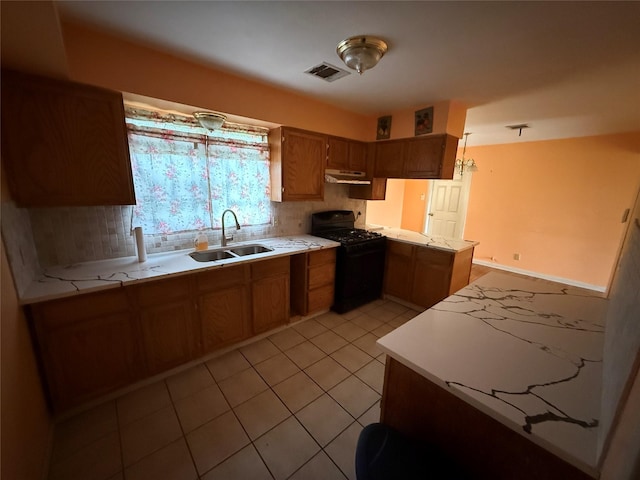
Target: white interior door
(447,208)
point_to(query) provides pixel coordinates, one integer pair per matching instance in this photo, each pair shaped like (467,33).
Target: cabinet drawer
(221,278)
(322,256)
(153,293)
(269,268)
(322,275)
(400,248)
(434,257)
(58,313)
(320,298)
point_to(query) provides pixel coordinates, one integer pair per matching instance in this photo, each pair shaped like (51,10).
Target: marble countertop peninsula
(68,280)
(526,352)
(409,236)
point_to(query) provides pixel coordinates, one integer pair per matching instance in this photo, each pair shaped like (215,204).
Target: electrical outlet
(275,221)
(516,256)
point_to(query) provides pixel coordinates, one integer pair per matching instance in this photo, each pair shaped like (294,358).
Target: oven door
(359,275)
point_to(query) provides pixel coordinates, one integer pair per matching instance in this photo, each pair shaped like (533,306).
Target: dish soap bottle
(201,242)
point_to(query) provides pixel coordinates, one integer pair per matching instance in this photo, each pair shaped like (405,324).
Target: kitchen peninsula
(505,376)
(422,269)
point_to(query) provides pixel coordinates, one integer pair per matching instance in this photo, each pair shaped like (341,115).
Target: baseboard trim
(567,281)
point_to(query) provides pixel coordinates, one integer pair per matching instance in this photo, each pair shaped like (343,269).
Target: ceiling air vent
(327,72)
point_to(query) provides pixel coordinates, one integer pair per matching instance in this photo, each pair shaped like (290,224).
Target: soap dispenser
(201,242)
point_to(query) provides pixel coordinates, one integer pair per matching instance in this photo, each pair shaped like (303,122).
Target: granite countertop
(68,280)
(527,352)
(409,236)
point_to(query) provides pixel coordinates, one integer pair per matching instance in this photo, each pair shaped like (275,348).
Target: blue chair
(383,453)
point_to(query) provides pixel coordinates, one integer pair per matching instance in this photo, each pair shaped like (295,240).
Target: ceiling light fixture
(519,127)
(210,120)
(361,52)
(469,164)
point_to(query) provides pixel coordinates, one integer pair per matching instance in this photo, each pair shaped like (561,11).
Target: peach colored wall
(414,204)
(388,212)
(101,59)
(448,117)
(26,423)
(558,203)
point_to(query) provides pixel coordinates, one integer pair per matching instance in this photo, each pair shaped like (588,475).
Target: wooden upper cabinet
(431,156)
(63,143)
(389,158)
(298,160)
(423,157)
(376,190)
(338,153)
(345,154)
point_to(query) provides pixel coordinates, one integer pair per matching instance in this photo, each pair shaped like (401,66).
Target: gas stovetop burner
(350,236)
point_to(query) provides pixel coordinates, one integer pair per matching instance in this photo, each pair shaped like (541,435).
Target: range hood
(345,176)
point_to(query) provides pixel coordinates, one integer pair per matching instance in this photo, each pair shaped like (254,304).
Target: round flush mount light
(362,52)
(210,120)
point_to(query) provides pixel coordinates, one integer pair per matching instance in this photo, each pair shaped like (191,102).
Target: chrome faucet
(225,239)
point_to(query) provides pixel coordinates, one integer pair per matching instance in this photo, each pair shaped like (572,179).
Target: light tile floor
(290,406)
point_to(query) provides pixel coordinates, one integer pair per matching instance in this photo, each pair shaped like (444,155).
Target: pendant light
(362,52)
(468,164)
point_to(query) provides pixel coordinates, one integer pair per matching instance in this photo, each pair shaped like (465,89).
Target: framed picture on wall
(383,132)
(424,121)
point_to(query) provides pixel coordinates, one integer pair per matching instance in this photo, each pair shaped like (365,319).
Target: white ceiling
(567,69)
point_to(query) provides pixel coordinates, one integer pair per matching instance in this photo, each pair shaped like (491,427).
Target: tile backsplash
(64,236)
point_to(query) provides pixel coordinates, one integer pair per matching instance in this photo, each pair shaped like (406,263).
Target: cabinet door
(304,156)
(64,144)
(270,293)
(270,303)
(338,153)
(87,346)
(389,159)
(376,190)
(224,317)
(167,335)
(167,323)
(223,306)
(423,157)
(358,156)
(431,277)
(399,266)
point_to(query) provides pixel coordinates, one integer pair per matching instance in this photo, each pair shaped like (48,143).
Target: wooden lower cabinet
(167,323)
(398,265)
(95,343)
(87,346)
(424,276)
(270,294)
(223,306)
(313,281)
(473,441)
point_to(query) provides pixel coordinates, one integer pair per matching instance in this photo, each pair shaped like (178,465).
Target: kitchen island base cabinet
(481,445)
(87,346)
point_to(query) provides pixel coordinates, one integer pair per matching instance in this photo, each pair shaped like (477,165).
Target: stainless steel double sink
(229,252)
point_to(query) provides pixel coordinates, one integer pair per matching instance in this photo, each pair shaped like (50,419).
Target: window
(185,176)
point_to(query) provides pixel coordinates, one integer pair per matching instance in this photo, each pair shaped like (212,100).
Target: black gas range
(359,259)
